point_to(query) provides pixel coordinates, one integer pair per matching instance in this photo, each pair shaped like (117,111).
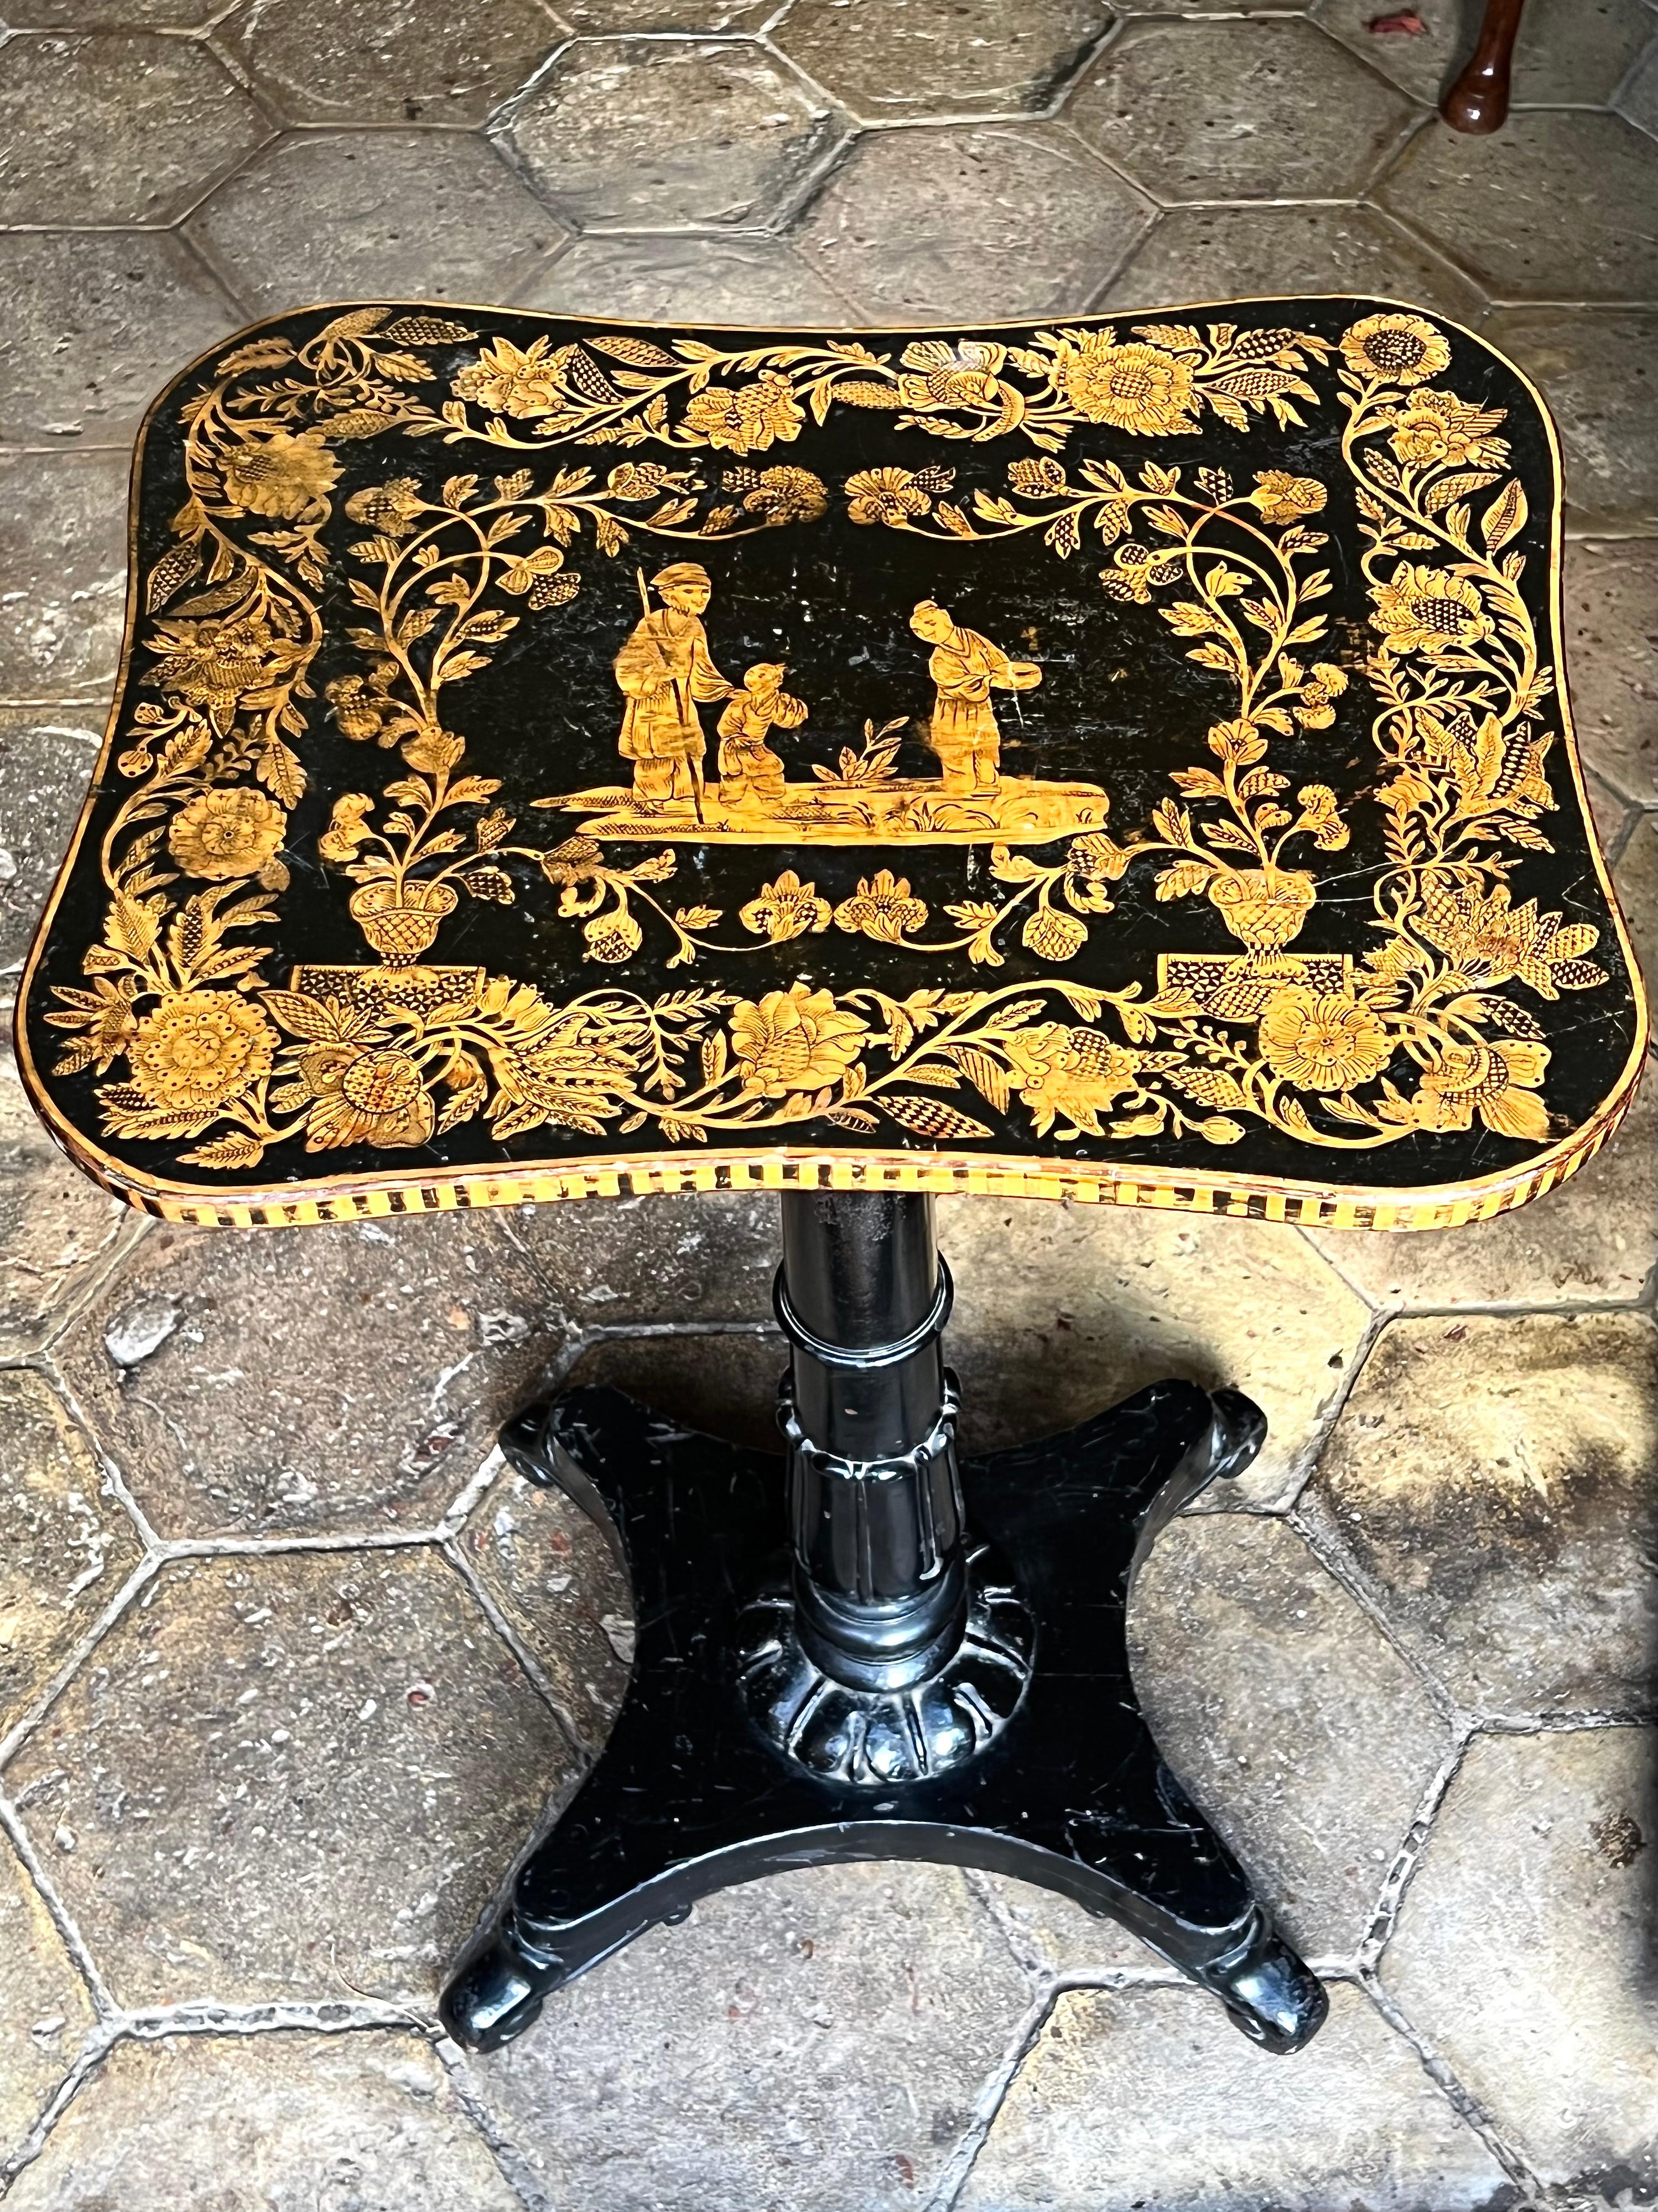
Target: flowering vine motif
(1423,1028)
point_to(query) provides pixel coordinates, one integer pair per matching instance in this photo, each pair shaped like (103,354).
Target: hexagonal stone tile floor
(291,1664)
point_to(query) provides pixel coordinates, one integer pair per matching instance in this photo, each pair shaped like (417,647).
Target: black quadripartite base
(689,1796)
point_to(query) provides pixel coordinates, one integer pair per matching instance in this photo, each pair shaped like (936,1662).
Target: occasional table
(1116,760)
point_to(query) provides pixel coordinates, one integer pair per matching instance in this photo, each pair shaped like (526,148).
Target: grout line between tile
(959,2165)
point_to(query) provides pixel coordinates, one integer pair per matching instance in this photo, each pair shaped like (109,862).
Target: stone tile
(689,1256)
(296,1775)
(1218,253)
(1610,602)
(66,1544)
(1554,206)
(57,1230)
(401,61)
(1523,1951)
(693,279)
(1596,1237)
(1573,54)
(1241,108)
(43,2006)
(1150,2096)
(300,2122)
(1492,1478)
(1611,812)
(1060,1311)
(1305,1737)
(419,215)
(726,1385)
(813,2043)
(1292,1721)
(1596,373)
(1637,99)
(338,1381)
(928,58)
(94,324)
(44,769)
(63,575)
(115,14)
(675,133)
(556,1579)
(1636,879)
(116,127)
(615,18)
(924,224)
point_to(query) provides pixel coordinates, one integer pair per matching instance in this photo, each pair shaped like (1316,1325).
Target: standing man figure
(966,667)
(665,671)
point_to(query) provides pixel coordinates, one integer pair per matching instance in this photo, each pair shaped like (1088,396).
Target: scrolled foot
(1239,1433)
(491,1999)
(1268,1990)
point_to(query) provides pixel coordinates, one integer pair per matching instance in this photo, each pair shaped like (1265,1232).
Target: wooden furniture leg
(1477,102)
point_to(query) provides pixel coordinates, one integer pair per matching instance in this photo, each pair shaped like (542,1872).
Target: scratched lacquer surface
(1126,758)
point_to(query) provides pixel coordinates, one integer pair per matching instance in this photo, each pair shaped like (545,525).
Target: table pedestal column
(933,1665)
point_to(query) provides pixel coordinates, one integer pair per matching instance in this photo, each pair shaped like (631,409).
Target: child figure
(750,773)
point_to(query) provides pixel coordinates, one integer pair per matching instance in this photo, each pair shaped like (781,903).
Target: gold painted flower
(1489,941)
(282,475)
(518,380)
(361,714)
(392,508)
(1073,1074)
(1284,499)
(364,1094)
(1316,708)
(522,573)
(225,832)
(1322,1040)
(794,1039)
(212,663)
(1134,387)
(636,480)
(1319,818)
(780,496)
(882,908)
(1399,349)
(1429,610)
(1499,1082)
(1136,570)
(746,418)
(347,826)
(576,861)
(888,496)
(1439,429)
(1053,936)
(200,1049)
(613,937)
(787,909)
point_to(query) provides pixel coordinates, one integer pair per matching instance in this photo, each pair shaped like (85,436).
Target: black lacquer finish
(689,1796)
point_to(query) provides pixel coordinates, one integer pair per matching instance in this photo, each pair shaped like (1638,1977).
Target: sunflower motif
(518,380)
(1075,1074)
(392,508)
(364,1094)
(281,476)
(882,908)
(225,833)
(892,496)
(1437,429)
(1429,610)
(200,1049)
(1283,499)
(787,909)
(1397,348)
(794,1039)
(748,417)
(1321,1041)
(1499,1082)
(779,496)
(1134,387)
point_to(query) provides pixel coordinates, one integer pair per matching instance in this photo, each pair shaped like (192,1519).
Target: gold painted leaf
(1505,517)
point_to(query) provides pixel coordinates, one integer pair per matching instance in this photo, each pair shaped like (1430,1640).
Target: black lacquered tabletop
(1124,757)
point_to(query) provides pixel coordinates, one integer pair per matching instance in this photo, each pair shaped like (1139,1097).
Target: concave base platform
(688,1796)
